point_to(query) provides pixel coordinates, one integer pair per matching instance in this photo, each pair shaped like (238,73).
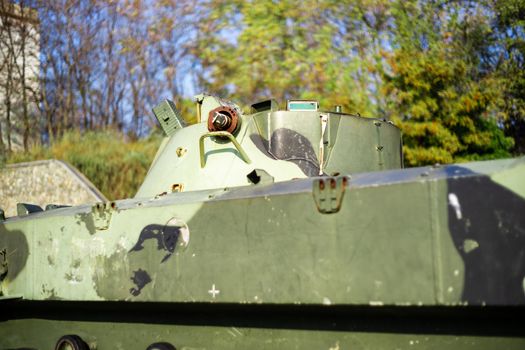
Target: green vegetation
(450,74)
(446,107)
(116,166)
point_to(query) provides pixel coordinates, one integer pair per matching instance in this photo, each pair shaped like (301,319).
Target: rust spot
(345,181)
(177,187)
(333,183)
(180,151)
(223,118)
(113,205)
(321,185)
(161,194)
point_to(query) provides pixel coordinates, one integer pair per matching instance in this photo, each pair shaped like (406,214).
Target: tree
(509,28)
(450,73)
(105,64)
(437,94)
(287,49)
(19,56)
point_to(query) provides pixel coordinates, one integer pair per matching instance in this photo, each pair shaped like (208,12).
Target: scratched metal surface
(430,247)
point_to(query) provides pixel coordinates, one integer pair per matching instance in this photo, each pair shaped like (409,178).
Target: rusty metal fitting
(223,118)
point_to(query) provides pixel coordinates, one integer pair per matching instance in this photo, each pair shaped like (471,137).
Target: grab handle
(242,153)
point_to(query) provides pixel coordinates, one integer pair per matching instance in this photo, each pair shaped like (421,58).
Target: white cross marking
(213,291)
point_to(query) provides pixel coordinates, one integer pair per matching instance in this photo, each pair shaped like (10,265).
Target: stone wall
(44,182)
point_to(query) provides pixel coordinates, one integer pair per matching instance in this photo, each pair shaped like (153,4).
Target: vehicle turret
(226,145)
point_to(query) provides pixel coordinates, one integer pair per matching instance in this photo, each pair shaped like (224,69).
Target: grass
(116,166)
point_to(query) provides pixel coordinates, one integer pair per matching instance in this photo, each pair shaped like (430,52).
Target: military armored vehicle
(277,228)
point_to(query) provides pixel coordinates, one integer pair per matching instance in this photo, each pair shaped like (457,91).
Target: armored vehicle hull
(426,257)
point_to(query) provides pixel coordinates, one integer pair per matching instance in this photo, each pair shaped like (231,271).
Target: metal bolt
(180,151)
(221,121)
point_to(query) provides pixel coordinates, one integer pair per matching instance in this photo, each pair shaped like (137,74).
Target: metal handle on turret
(242,153)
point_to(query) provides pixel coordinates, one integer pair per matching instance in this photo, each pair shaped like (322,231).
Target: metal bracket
(169,117)
(23,209)
(242,153)
(328,193)
(101,213)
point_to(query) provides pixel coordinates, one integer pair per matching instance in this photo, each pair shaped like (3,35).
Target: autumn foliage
(450,74)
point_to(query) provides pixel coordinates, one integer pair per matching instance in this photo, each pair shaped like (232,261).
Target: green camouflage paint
(406,257)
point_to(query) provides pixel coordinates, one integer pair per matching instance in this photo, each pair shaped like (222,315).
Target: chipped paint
(184,231)
(94,246)
(454,202)
(469,245)
(335,347)
(74,275)
(112,276)
(140,279)
(125,243)
(376,303)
